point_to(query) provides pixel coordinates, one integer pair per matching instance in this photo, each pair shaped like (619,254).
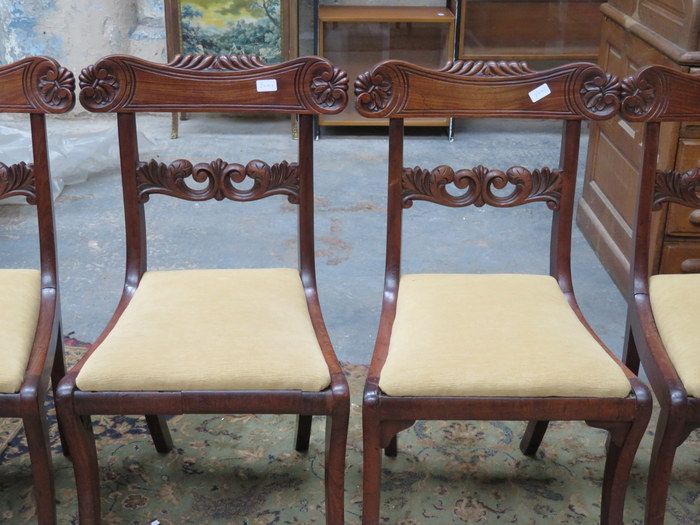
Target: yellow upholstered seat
(20,297)
(243,329)
(675,301)
(493,335)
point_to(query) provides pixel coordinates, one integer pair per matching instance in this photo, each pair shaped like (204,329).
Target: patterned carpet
(243,470)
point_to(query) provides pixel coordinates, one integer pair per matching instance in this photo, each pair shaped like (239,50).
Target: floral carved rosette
(376,91)
(325,87)
(47,86)
(598,92)
(642,95)
(101,89)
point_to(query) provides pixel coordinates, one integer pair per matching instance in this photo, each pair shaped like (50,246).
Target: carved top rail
(224,83)
(478,185)
(487,89)
(36,85)
(659,93)
(219,180)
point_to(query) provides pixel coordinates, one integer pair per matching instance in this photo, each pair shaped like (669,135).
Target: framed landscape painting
(266,28)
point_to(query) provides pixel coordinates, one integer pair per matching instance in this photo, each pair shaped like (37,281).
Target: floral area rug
(243,469)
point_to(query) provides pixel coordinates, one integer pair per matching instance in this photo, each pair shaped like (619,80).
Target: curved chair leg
(84,457)
(336,441)
(372,468)
(160,433)
(669,435)
(392,449)
(36,430)
(630,355)
(58,370)
(303,433)
(534,433)
(623,441)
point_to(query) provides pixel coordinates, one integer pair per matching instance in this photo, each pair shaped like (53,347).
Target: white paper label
(267,84)
(539,93)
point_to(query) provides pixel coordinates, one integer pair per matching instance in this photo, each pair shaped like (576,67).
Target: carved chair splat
(662,329)
(35,86)
(441,350)
(262,346)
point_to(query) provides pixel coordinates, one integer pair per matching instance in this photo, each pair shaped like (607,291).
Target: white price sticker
(266,85)
(539,93)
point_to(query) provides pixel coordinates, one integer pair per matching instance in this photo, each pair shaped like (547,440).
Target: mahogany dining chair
(485,346)
(31,343)
(662,327)
(210,341)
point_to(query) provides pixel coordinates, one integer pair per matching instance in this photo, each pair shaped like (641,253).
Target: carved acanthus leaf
(478,185)
(680,187)
(600,92)
(17,179)
(217,62)
(98,85)
(330,88)
(486,68)
(220,179)
(638,96)
(56,86)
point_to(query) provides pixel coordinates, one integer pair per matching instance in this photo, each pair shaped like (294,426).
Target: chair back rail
(397,89)
(223,83)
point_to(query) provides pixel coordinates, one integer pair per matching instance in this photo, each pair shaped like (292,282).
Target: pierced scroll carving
(638,96)
(373,91)
(217,62)
(680,187)
(221,179)
(601,92)
(17,180)
(539,185)
(56,87)
(486,68)
(98,85)
(330,88)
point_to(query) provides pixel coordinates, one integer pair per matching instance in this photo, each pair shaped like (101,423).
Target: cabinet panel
(356,38)
(527,29)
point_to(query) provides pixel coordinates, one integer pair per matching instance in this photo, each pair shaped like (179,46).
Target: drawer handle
(690,266)
(695,217)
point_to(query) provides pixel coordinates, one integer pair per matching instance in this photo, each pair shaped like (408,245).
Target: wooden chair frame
(227,84)
(658,94)
(38,86)
(399,90)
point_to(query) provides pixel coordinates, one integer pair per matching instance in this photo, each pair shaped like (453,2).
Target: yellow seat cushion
(675,301)
(493,335)
(211,330)
(20,298)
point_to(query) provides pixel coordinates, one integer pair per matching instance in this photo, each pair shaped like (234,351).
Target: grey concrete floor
(350,218)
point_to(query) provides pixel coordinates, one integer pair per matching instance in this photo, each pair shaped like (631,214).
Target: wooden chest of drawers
(606,208)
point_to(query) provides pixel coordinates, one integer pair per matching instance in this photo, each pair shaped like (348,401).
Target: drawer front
(681,257)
